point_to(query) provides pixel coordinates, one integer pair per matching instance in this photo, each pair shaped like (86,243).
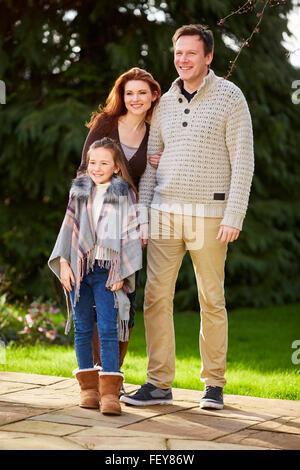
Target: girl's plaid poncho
(117,231)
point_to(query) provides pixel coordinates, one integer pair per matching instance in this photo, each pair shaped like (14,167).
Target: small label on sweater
(219,196)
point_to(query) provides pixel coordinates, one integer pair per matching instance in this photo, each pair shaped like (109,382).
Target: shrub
(39,322)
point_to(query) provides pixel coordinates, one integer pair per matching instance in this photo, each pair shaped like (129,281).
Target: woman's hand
(116,286)
(144,235)
(66,275)
(154,159)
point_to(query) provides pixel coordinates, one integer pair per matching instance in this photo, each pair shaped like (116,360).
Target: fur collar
(82,188)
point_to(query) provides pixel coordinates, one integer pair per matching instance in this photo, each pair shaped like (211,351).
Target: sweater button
(180,100)
(184,124)
(187,111)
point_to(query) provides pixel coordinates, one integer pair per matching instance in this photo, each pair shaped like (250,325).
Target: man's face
(190,61)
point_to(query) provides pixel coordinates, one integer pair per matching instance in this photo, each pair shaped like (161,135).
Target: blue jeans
(93,292)
(132,298)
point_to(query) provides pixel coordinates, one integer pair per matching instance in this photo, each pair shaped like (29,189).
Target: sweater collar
(176,86)
(102,187)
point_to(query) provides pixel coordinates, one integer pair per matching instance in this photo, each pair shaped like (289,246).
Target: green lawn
(259,361)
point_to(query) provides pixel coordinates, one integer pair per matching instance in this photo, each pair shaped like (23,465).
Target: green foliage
(59,60)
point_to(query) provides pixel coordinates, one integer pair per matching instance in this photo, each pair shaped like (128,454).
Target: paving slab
(197,426)
(42,412)
(25,441)
(286,424)
(11,412)
(10,387)
(63,418)
(85,417)
(184,444)
(92,417)
(41,427)
(265,439)
(235,412)
(271,406)
(101,431)
(120,443)
(30,378)
(59,394)
(182,394)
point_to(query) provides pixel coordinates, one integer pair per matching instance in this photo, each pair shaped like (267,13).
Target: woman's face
(138,97)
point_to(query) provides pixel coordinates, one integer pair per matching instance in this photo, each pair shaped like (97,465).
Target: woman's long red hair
(115,106)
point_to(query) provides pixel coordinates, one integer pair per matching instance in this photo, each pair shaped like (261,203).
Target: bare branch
(250,5)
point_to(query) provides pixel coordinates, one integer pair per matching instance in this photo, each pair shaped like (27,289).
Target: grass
(259,360)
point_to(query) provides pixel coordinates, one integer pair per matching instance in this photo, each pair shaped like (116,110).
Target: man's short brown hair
(200,30)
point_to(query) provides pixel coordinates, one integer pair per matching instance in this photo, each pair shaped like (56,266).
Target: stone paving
(41,412)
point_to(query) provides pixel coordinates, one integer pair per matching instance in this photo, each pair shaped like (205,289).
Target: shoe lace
(215,389)
(147,386)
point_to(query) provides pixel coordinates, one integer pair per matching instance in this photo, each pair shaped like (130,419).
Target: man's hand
(116,286)
(227,234)
(154,159)
(144,235)
(66,275)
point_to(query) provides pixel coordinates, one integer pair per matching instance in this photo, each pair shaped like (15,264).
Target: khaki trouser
(170,235)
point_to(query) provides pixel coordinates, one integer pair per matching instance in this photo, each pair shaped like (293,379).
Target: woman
(126,119)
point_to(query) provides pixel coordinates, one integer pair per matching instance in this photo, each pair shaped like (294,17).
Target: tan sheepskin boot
(110,384)
(88,380)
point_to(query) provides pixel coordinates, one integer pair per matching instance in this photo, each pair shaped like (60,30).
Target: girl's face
(101,165)
(138,97)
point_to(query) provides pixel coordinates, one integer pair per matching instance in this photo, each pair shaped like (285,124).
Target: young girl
(96,255)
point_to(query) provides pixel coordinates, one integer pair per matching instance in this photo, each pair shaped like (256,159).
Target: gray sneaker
(148,394)
(212,397)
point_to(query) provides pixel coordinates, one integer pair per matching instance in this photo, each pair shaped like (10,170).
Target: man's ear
(209,58)
(154,96)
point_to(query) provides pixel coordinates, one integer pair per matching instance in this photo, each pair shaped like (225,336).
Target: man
(198,198)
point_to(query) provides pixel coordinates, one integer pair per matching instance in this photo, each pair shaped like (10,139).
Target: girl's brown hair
(118,158)
(115,106)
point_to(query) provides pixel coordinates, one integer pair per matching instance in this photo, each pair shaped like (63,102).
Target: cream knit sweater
(207,162)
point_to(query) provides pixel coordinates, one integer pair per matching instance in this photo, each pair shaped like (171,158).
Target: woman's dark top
(137,163)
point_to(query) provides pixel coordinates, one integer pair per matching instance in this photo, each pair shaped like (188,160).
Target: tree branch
(249,5)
